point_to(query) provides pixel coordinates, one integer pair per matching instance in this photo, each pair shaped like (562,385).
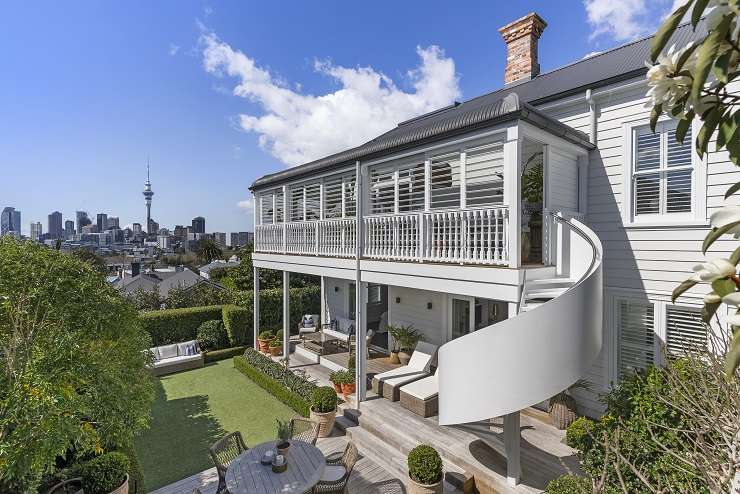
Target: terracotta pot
(283,448)
(325,421)
(394,358)
(348,389)
(404,358)
(276,351)
(413,487)
(122,489)
(337,387)
(264,345)
(562,410)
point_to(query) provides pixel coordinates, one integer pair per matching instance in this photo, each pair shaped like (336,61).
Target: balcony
(470,236)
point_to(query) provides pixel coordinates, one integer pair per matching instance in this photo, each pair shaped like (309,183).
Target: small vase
(283,448)
(404,358)
(394,358)
(337,387)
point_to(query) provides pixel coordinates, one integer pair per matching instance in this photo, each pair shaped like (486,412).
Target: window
(445,181)
(313,201)
(484,175)
(271,207)
(685,331)
(350,196)
(296,203)
(662,171)
(382,190)
(636,326)
(411,187)
(333,197)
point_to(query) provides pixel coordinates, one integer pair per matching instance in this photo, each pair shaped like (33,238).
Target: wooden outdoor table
(246,474)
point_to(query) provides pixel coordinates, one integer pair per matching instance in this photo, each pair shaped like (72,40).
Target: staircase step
(550,281)
(343,423)
(545,293)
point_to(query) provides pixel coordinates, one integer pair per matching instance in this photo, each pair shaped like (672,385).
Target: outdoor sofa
(388,384)
(176,357)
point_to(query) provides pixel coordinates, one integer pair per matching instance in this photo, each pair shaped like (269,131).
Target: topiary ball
(324,399)
(425,465)
(104,473)
(569,484)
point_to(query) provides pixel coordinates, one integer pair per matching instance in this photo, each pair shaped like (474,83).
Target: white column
(427,185)
(512,445)
(324,319)
(285,218)
(360,327)
(286,316)
(513,194)
(463,181)
(255,306)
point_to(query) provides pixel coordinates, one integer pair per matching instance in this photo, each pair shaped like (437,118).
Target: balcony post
(286,317)
(513,194)
(512,446)
(463,181)
(255,306)
(285,219)
(255,219)
(360,328)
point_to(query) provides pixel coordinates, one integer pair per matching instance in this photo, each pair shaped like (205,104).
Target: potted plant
(324,409)
(562,406)
(106,474)
(264,339)
(406,338)
(336,379)
(425,471)
(276,344)
(283,436)
(348,383)
(395,348)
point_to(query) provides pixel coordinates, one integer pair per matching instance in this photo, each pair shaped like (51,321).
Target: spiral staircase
(547,347)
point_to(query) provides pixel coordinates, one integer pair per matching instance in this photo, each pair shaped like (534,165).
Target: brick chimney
(521,38)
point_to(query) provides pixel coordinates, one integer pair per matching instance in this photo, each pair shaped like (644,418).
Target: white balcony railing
(474,236)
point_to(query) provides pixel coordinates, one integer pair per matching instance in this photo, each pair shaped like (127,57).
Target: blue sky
(219,93)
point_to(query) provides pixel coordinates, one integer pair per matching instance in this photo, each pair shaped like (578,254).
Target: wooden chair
(304,430)
(337,472)
(223,452)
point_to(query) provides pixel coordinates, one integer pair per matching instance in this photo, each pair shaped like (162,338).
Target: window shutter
(445,181)
(678,182)
(685,331)
(411,187)
(382,190)
(266,209)
(636,336)
(296,203)
(647,194)
(313,201)
(350,196)
(279,206)
(333,197)
(484,177)
(647,153)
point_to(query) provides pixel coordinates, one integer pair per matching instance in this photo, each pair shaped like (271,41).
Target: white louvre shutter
(411,187)
(333,197)
(382,190)
(350,196)
(484,177)
(685,331)
(636,322)
(445,181)
(647,185)
(279,207)
(313,201)
(678,181)
(266,209)
(295,203)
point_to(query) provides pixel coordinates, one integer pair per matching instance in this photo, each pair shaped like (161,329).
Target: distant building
(163,282)
(102,222)
(113,222)
(205,271)
(181,232)
(69,229)
(153,227)
(82,220)
(199,224)
(164,242)
(240,239)
(10,222)
(55,230)
(219,238)
(36,231)
(136,228)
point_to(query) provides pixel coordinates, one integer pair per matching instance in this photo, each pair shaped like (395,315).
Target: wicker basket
(325,421)
(562,410)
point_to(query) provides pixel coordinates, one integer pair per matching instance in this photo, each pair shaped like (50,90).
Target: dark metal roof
(516,101)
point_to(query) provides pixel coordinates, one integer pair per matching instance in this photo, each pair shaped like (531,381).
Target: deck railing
(473,236)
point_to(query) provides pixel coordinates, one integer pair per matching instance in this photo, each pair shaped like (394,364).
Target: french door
(461,316)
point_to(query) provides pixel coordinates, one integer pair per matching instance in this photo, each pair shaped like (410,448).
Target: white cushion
(177,360)
(423,389)
(336,334)
(332,473)
(422,357)
(187,348)
(167,351)
(400,376)
(155,352)
(345,325)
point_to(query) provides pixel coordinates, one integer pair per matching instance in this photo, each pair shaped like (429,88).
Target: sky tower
(148,193)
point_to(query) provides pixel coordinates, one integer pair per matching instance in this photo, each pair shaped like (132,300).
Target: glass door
(461,321)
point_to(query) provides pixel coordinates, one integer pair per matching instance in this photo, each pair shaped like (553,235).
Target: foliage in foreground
(74,381)
(569,484)
(425,465)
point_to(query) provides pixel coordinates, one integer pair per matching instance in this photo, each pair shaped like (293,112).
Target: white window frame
(698,213)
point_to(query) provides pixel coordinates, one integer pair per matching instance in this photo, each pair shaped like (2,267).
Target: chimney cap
(530,24)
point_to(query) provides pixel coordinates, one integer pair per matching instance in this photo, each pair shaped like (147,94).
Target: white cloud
(245,204)
(623,20)
(173,49)
(297,128)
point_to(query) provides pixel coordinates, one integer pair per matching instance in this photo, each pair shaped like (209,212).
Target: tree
(208,250)
(199,295)
(73,380)
(694,82)
(91,258)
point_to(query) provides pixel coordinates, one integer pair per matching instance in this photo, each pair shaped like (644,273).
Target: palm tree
(208,250)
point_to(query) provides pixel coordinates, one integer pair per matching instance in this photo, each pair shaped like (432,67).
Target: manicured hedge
(216,355)
(293,390)
(302,301)
(177,325)
(238,322)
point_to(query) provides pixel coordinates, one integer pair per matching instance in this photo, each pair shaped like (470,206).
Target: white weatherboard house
(533,234)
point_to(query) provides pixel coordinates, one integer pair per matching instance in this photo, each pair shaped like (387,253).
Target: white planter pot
(325,421)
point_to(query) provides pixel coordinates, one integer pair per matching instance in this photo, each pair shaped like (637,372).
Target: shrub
(212,336)
(177,325)
(276,342)
(569,484)
(279,335)
(104,473)
(238,323)
(324,400)
(266,335)
(425,465)
(216,355)
(580,434)
(302,301)
(292,389)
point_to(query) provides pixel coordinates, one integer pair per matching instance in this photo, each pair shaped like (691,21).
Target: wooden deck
(376,364)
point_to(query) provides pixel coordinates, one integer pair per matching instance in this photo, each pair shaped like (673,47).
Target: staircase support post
(512,445)
(286,317)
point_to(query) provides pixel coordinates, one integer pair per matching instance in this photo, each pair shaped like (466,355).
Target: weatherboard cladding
(512,102)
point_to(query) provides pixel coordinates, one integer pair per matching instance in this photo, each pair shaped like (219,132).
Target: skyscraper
(220,238)
(199,224)
(148,193)
(10,221)
(113,222)
(102,222)
(82,220)
(69,229)
(55,225)
(36,231)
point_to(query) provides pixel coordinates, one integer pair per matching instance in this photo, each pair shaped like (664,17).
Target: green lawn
(192,410)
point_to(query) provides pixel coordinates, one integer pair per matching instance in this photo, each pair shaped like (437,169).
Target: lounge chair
(387,384)
(421,396)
